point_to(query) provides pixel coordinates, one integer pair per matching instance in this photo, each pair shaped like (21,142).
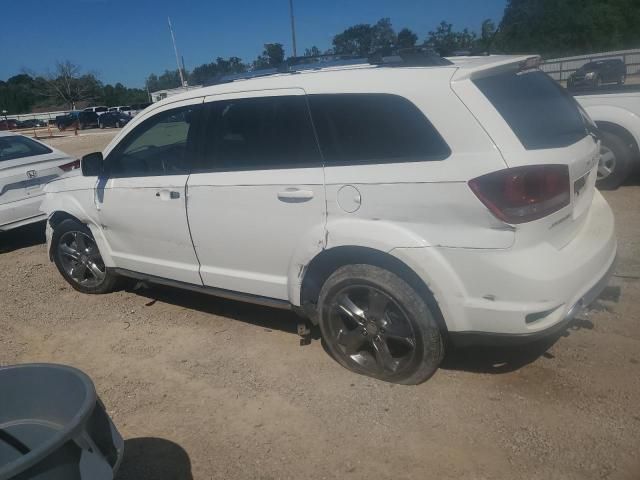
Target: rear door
(26,166)
(258,193)
(534,121)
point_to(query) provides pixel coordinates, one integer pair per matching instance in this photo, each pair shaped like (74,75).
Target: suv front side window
(161,145)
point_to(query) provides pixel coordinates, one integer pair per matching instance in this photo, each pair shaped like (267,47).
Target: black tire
(61,234)
(414,354)
(612,176)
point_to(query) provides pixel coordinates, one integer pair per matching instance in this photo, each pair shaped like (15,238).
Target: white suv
(396,206)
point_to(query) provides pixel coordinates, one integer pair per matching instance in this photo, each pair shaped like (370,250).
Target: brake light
(524,194)
(67,167)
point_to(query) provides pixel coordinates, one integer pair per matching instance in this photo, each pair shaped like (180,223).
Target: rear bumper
(522,293)
(466,339)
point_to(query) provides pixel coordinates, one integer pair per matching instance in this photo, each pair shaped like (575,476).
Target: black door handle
(166,194)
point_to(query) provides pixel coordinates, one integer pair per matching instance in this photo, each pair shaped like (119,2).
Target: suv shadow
(506,359)
(493,360)
(154,459)
(22,237)
(270,318)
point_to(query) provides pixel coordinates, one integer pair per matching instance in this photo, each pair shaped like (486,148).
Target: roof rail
(406,57)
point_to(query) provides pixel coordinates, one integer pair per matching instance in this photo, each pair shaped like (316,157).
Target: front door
(142,199)
(258,194)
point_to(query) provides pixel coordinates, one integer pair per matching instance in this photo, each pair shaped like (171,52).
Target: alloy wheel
(607,163)
(81,259)
(371,331)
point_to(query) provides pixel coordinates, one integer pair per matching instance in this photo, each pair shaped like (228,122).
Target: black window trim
(204,119)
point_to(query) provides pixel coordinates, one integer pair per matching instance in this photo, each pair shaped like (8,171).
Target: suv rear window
(374,128)
(538,110)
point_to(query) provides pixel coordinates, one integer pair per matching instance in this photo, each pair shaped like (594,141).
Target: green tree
(355,40)
(209,71)
(18,94)
(487,36)
(364,39)
(167,80)
(567,27)
(272,56)
(406,38)
(446,41)
(312,52)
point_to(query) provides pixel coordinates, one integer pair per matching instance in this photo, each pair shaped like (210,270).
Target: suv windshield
(538,110)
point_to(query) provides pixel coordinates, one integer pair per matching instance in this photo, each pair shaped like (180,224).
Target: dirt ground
(212,389)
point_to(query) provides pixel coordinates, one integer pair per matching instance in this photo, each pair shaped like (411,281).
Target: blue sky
(125,40)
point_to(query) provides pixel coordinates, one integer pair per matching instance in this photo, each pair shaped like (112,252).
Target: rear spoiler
(477,67)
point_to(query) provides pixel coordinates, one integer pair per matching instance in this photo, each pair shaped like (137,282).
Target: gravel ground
(212,389)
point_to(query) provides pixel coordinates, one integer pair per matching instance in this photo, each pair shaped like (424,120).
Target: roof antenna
(175,49)
(293,28)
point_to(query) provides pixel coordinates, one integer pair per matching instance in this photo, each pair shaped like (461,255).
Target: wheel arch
(63,207)
(328,261)
(624,134)
(618,121)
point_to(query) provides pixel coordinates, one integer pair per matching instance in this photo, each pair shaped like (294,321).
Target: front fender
(80,205)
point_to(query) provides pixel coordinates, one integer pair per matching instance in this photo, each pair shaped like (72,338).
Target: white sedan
(26,166)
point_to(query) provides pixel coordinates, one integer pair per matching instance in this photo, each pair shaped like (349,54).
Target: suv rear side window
(259,133)
(12,147)
(161,145)
(374,128)
(538,110)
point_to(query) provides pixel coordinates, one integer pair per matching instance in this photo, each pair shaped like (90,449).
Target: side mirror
(92,165)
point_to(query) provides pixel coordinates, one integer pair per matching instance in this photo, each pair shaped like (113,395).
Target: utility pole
(175,49)
(293,28)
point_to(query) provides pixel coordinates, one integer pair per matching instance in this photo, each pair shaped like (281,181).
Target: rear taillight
(67,167)
(524,194)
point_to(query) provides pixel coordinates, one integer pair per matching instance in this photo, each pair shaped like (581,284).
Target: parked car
(617,114)
(114,119)
(83,119)
(33,123)
(98,110)
(8,124)
(138,107)
(397,208)
(595,74)
(26,166)
(123,108)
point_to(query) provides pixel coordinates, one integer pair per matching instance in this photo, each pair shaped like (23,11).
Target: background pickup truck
(616,111)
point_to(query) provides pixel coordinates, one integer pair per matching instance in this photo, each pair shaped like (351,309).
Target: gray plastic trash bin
(54,427)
